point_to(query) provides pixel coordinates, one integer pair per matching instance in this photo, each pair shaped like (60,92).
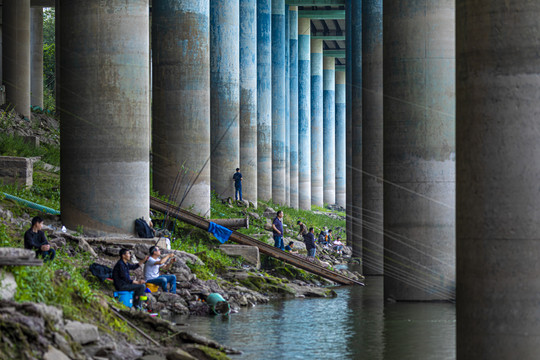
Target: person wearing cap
(237,177)
(152,267)
(121,278)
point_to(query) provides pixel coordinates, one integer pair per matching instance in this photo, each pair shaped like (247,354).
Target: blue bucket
(125,297)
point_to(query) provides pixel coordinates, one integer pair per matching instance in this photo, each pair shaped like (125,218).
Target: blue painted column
(340,139)
(181,102)
(372,138)
(224,94)
(287,110)
(264,100)
(419,149)
(329,129)
(293,101)
(248,98)
(304,113)
(356,125)
(317,122)
(103,99)
(348,121)
(278,102)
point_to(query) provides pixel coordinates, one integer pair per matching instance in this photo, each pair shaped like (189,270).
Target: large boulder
(249,253)
(82,333)
(8,286)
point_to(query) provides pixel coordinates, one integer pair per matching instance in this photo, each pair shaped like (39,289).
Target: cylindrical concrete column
(287,111)
(293,107)
(340,138)
(248,98)
(103,100)
(224,94)
(348,121)
(264,100)
(329,129)
(181,102)
(304,114)
(497,165)
(372,138)
(36,48)
(356,126)
(278,102)
(16,54)
(317,122)
(419,153)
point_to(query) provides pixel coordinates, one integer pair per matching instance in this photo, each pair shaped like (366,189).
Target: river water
(355,325)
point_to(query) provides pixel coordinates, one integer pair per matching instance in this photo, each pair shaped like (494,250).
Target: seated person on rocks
(35,239)
(289,248)
(152,267)
(338,245)
(122,280)
(309,240)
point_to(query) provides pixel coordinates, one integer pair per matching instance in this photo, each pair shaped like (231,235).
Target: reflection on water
(355,325)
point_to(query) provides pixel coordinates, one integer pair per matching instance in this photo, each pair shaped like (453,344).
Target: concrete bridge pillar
(419,150)
(372,137)
(264,99)
(16,54)
(181,102)
(36,46)
(248,98)
(224,94)
(103,100)
(278,102)
(293,104)
(356,127)
(329,129)
(340,138)
(317,122)
(348,121)
(287,110)
(304,114)
(498,100)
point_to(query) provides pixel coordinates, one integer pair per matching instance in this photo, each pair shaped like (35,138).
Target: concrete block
(8,286)
(82,333)
(32,140)
(16,170)
(249,253)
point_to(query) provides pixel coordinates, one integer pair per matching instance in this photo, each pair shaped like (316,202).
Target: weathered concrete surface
(103,100)
(181,102)
(317,122)
(293,105)
(329,130)
(498,101)
(341,140)
(249,253)
(224,94)
(419,150)
(348,122)
(16,54)
(278,103)
(372,138)
(248,98)
(16,170)
(264,100)
(36,60)
(356,127)
(304,114)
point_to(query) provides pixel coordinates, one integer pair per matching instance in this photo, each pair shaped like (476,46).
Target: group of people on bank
(35,239)
(325,237)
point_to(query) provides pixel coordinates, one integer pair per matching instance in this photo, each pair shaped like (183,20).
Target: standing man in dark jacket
(309,240)
(237,177)
(35,239)
(121,278)
(277,230)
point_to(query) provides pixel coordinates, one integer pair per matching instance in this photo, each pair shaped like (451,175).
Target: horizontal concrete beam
(340,67)
(315,2)
(329,37)
(42,3)
(322,14)
(335,53)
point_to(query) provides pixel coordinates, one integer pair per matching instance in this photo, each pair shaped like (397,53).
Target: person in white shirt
(152,267)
